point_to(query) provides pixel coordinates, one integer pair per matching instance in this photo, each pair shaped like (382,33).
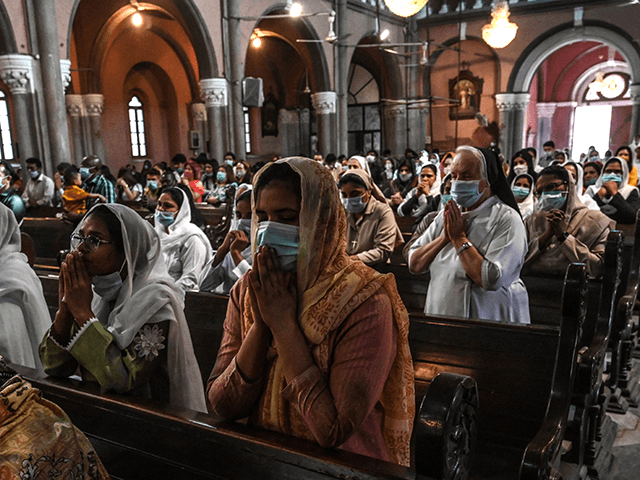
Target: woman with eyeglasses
(616,198)
(120,315)
(562,230)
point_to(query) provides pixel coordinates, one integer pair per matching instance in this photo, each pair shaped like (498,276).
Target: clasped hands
(455,225)
(555,226)
(74,290)
(609,188)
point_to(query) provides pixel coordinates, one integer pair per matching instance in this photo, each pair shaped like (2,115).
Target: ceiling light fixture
(385,34)
(295,10)
(405,8)
(500,32)
(136,19)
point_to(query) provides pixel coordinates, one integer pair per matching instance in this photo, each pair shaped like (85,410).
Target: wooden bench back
(50,235)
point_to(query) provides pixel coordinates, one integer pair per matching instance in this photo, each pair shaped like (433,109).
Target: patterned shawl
(330,288)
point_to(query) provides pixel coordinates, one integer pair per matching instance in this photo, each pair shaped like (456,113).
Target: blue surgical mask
(284,239)
(221,176)
(445,198)
(553,200)
(180,170)
(35,174)
(354,205)
(229,162)
(466,192)
(612,177)
(165,218)
(108,286)
(244,225)
(152,185)
(85,173)
(520,192)
(588,183)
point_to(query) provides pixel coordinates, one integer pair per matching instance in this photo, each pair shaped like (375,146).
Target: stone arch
(565,34)
(7,39)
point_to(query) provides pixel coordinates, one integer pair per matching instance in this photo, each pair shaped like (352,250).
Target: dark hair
(231,177)
(330,158)
(62,167)
(230,154)
(596,165)
(532,151)
(168,179)
(70,175)
(154,171)
(174,193)
(196,216)
(549,143)
(244,197)
(112,223)
(213,162)
(628,149)
(431,166)
(178,158)
(353,179)
(34,161)
(163,165)
(12,173)
(405,162)
(556,171)
(279,172)
(106,173)
(386,152)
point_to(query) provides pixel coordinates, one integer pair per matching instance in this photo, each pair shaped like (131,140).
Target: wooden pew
(525,377)
(50,235)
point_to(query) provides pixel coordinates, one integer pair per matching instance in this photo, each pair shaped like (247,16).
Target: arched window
(136,127)
(6,146)
(363,111)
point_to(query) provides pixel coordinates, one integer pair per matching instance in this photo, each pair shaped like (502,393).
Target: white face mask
(2,185)
(520,169)
(108,286)
(371,158)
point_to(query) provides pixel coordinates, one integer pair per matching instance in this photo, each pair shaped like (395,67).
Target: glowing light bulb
(256,42)
(295,10)
(385,34)
(136,19)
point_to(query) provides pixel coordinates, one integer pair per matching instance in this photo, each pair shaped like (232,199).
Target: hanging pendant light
(405,8)
(500,32)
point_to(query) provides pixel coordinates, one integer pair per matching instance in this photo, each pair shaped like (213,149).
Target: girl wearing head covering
(234,257)
(628,155)
(616,198)
(563,230)
(425,197)
(522,187)
(577,175)
(185,248)
(475,248)
(24,315)
(320,352)
(372,232)
(120,316)
(521,163)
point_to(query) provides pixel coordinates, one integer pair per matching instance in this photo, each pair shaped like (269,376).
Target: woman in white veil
(120,316)
(24,316)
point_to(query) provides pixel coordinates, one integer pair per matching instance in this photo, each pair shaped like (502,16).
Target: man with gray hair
(476,246)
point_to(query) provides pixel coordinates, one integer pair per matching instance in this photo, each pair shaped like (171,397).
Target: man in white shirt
(39,189)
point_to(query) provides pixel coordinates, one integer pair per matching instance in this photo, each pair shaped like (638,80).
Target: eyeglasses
(549,187)
(91,242)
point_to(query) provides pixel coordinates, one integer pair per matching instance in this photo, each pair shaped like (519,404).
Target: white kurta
(221,278)
(498,233)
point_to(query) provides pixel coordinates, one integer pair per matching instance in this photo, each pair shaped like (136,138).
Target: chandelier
(405,8)
(500,32)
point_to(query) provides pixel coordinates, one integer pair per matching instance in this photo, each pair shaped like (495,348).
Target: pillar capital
(94,104)
(65,72)
(199,112)
(75,105)
(510,101)
(394,109)
(214,92)
(16,71)
(324,103)
(546,110)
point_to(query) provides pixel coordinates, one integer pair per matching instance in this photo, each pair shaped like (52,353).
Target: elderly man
(475,247)
(93,181)
(40,188)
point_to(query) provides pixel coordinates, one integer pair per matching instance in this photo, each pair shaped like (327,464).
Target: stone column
(634,91)
(76,110)
(94,104)
(214,92)
(236,64)
(505,105)
(521,103)
(545,112)
(199,113)
(289,132)
(305,131)
(16,72)
(341,81)
(417,130)
(324,104)
(54,103)
(394,115)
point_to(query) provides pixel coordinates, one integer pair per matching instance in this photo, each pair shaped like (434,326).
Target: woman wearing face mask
(590,176)
(402,184)
(185,247)
(425,197)
(234,257)
(388,172)
(616,198)
(321,352)
(563,230)
(627,154)
(576,172)
(8,196)
(120,316)
(372,232)
(445,164)
(191,178)
(224,179)
(522,188)
(521,163)
(242,173)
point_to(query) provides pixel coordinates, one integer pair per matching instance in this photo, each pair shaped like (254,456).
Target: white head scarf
(624,189)
(528,204)
(435,188)
(19,285)
(364,165)
(147,290)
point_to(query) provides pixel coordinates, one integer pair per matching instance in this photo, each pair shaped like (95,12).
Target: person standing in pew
(234,257)
(315,345)
(39,189)
(185,247)
(563,230)
(475,248)
(120,316)
(74,198)
(94,181)
(8,196)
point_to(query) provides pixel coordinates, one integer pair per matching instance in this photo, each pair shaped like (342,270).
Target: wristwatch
(463,247)
(563,237)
